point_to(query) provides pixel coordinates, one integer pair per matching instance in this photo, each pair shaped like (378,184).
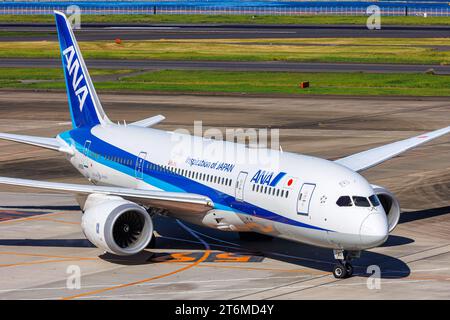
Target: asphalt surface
(209,31)
(41,236)
(230,66)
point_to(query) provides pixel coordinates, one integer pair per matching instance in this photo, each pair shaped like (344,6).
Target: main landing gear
(344,269)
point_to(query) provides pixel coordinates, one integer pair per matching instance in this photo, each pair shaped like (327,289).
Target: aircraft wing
(177,201)
(43,142)
(370,158)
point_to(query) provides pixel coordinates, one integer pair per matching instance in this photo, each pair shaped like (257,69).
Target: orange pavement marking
(195,263)
(36,217)
(42,255)
(43,262)
(59,221)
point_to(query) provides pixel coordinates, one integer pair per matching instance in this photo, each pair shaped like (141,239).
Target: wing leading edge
(370,158)
(189,202)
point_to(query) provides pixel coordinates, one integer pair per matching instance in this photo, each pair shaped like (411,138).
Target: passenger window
(361,201)
(344,201)
(374,200)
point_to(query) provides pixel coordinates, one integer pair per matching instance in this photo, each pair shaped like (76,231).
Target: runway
(95,32)
(231,66)
(41,238)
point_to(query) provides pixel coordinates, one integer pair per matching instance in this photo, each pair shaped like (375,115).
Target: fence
(294,8)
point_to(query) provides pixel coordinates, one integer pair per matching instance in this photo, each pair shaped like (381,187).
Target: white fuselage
(282,194)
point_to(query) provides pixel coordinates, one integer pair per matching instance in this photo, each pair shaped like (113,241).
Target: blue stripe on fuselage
(277,179)
(168,180)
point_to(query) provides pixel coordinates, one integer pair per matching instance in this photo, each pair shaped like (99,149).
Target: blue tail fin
(85,107)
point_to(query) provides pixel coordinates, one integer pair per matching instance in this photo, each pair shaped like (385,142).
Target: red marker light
(290,182)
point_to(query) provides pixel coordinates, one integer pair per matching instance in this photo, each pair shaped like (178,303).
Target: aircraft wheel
(349,269)
(339,271)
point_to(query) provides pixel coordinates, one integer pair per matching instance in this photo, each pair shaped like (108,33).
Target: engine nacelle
(390,205)
(116,225)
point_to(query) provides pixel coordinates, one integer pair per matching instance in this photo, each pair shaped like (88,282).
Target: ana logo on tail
(73,66)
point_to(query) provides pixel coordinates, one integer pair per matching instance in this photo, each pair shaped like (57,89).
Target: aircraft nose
(374,230)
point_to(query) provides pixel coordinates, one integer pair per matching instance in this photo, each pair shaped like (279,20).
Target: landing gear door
(304,198)
(139,170)
(240,183)
(86,150)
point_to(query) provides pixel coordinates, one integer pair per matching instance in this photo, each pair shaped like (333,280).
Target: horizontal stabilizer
(43,142)
(149,122)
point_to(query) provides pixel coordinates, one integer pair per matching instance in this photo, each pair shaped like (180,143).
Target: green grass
(27,77)
(354,50)
(231,19)
(21,34)
(254,82)
(9,74)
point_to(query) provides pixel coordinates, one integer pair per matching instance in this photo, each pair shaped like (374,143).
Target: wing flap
(370,158)
(179,201)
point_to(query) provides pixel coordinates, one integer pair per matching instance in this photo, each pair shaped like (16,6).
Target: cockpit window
(344,201)
(361,201)
(374,200)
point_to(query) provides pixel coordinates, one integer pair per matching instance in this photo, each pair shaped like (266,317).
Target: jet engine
(390,205)
(116,225)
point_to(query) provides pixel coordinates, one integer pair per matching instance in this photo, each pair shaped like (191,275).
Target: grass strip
(353,50)
(375,84)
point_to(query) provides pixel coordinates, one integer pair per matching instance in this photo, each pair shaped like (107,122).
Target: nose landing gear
(343,269)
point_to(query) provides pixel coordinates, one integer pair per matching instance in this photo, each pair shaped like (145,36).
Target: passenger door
(240,184)
(86,150)
(139,170)
(304,198)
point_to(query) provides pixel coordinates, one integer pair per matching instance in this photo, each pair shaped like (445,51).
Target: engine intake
(127,228)
(116,225)
(390,205)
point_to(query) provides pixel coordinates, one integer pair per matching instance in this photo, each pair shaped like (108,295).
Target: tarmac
(42,244)
(95,32)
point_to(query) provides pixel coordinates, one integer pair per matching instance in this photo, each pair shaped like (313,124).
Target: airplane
(135,175)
